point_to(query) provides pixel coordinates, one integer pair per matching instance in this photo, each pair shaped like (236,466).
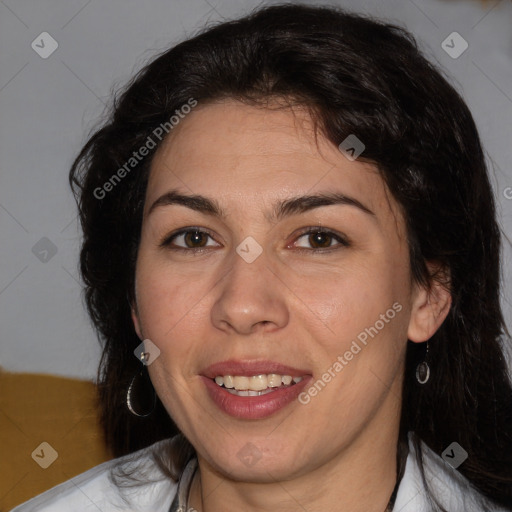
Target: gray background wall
(48,105)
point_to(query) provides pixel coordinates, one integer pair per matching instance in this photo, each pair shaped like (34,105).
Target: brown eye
(195,239)
(188,240)
(318,240)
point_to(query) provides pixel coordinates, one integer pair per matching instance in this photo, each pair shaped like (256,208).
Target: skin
(290,305)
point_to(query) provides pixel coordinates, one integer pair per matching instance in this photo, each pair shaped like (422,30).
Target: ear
(430,306)
(135,319)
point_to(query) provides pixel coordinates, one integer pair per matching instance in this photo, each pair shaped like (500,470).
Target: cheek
(167,299)
(346,300)
(359,314)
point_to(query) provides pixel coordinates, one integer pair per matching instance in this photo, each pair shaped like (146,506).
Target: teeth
(258,383)
(274,380)
(241,393)
(241,383)
(255,385)
(250,393)
(286,380)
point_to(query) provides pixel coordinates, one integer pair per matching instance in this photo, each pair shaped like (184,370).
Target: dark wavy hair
(355,75)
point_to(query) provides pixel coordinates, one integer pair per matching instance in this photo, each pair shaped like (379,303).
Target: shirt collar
(179,503)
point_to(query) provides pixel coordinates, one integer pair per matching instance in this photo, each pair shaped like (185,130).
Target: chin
(253,462)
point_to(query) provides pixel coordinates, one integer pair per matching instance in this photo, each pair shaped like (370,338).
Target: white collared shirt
(95,489)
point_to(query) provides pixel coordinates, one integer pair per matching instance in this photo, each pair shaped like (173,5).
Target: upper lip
(251,368)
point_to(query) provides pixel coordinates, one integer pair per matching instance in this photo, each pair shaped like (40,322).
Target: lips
(253,407)
(252,368)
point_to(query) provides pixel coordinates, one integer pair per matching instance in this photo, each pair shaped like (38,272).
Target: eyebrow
(280,210)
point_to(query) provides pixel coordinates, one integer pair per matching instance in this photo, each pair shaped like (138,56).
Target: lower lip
(253,407)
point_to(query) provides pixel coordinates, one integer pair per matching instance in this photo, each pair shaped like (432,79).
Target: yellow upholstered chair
(49,432)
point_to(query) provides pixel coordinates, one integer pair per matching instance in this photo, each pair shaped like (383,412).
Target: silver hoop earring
(423,370)
(139,390)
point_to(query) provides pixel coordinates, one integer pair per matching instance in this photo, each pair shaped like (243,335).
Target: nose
(251,298)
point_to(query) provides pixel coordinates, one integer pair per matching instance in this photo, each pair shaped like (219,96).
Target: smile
(255,385)
(253,389)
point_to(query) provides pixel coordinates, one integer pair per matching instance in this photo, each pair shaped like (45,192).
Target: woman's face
(252,293)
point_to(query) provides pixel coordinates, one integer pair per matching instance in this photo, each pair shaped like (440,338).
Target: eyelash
(342,241)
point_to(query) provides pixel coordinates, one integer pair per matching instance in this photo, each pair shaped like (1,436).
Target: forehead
(246,156)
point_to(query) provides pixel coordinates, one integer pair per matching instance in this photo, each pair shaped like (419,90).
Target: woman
(291,255)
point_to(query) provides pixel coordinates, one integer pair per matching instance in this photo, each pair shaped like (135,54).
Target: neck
(361,478)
